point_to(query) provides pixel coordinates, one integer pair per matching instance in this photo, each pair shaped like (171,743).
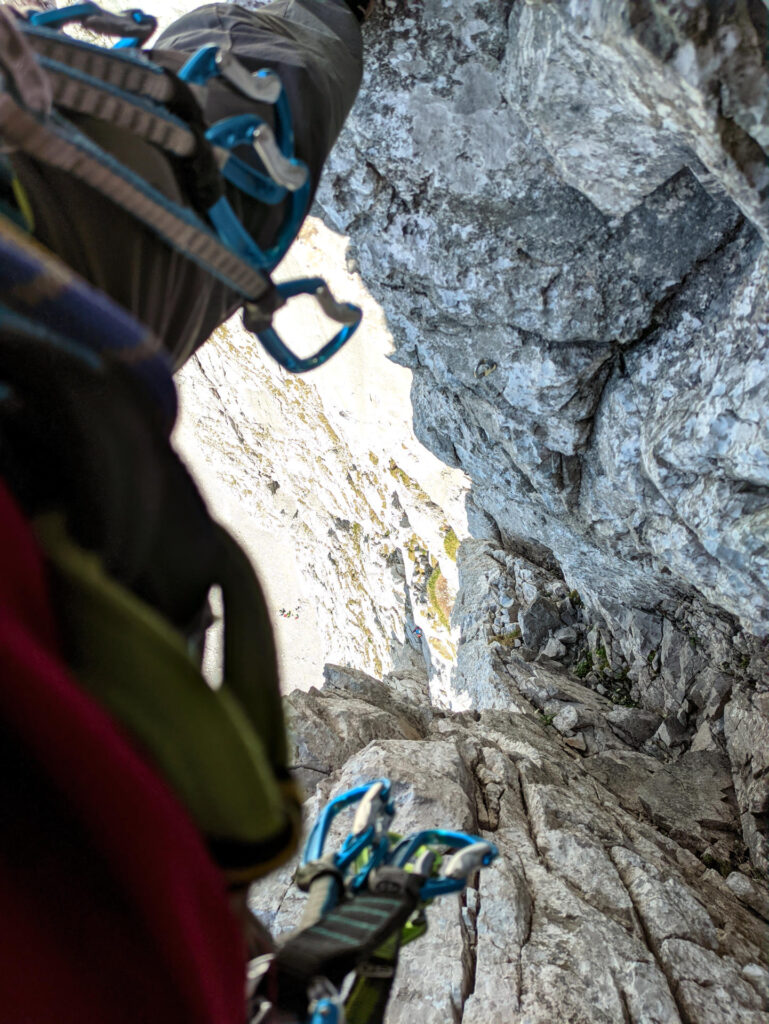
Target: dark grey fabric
(315,46)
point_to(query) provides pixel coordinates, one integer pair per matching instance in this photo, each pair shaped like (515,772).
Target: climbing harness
(48,76)
(365,902)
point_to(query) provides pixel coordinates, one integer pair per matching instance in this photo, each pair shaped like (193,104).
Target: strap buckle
(286,172)
(262,86)
(209,61)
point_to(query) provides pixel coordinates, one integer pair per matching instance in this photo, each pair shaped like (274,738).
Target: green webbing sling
(222,751)
(367,1001)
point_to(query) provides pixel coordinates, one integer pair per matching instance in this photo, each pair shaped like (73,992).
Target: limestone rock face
(685,688)
(572,197)
(352,524)
(562,209)
(555,215)
(598,909)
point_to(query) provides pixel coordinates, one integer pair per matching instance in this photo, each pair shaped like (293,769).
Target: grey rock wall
(559,208)
(685,690)
(586,320)
(601,907)
(562,208)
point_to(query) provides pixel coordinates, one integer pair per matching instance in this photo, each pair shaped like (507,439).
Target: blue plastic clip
(110,24)
(327,1010)
(141,19)
(63,16)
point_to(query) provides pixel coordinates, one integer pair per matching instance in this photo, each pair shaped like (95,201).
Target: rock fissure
(489,796)
(470,903)
(215,390)
(650,945)
(626,1015)
(562,842)
(527,817)
(670,305)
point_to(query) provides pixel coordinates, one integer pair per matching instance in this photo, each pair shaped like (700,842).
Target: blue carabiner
(269,188)
(433,887)
(200,66)
(343,312)
(288,177)
(205,64)
(316,841)
(231,132)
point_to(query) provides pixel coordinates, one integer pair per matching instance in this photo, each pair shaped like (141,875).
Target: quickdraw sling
(365,902)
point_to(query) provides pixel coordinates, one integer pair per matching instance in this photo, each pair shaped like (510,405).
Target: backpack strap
(54,141)
(80,93)
(73,428)
(129,70)
(46,69)
(40,289)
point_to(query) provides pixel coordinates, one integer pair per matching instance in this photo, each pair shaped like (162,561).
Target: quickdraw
(365,902)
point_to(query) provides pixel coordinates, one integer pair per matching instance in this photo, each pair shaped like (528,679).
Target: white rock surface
(343,511)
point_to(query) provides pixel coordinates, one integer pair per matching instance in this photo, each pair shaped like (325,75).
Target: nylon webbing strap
(324,884)
(28,124)
(77,91)
(368,999)
(62,146)
(353,931)
(131,74)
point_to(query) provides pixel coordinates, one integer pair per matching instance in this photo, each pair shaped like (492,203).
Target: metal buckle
(284,171)
(256,969)
(262,86)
